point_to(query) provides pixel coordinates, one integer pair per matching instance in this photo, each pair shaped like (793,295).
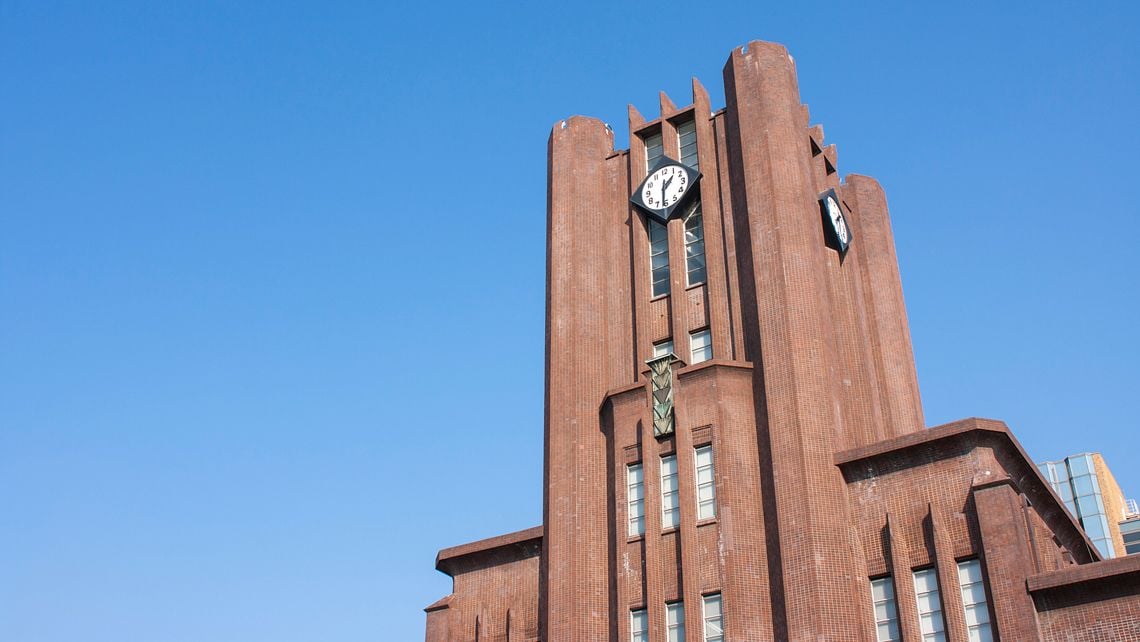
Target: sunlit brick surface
(824,474)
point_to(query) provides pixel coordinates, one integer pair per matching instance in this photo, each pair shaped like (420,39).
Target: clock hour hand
(665,186)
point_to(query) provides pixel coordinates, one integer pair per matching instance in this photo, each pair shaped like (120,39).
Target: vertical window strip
(886,610)
(714,623)
(695,247)
(700,346)
(662,348)
(670,498)
(929,606)
(687,141)
(654,150)
(658,257)
(635,489)
(675,621)
(974,601)
(639,626)
(706,488)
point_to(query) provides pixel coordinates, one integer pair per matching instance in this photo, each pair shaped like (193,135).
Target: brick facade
(825,477)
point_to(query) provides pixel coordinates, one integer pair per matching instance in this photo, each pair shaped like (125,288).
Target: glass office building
(1092,496)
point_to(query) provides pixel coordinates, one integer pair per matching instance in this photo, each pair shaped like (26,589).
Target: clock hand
(665,186)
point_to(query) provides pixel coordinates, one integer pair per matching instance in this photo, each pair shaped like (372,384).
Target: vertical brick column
(859,375)
(719,293)
(952,609)
(1007,561)
(588,350)
(898,559)
(774,203)
(883,299)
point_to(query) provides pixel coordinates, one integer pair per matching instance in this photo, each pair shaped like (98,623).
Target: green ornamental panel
(661,387)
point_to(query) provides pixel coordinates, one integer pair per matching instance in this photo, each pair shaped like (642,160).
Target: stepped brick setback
(799,472)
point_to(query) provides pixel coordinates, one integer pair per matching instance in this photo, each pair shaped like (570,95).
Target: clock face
(665,187)
(836,232)
(837,220)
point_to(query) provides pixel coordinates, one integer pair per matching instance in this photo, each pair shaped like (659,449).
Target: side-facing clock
(666,188)
(835,228)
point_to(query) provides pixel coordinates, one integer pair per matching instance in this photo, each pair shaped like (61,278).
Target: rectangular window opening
(700,346)
(886,610)
(675,622)
(930,620)
(658,258)
(706,486)
(635,489)
(654,150)
(687,142)
(714,622)
(670,498)
(974,601)
(639,626)
(695,269)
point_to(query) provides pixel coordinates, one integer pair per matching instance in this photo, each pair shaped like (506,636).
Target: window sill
(671,529)
(706,522)
(635,538)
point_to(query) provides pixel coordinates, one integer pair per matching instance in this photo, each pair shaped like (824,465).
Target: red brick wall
(493,598)
(1096,612)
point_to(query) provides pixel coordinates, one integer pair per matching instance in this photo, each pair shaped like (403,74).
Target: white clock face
(665,187)
(837,220)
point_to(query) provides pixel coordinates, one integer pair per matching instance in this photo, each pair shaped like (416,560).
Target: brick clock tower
(735,447)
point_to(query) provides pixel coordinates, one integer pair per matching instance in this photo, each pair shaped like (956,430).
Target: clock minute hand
(665,186)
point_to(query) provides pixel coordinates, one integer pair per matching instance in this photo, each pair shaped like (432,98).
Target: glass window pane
(639,626)
(1079,465)
(977,612)
(1083,485)
(886,612)
(635,488)
(687,141)
(706,488)
(929,604)
(675,622)
(969,572)
(1095,526)
(653,150)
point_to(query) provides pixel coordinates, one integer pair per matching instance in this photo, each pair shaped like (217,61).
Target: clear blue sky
(271,277)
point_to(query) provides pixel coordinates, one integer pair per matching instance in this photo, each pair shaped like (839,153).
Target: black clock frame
(663,215)
(830,234)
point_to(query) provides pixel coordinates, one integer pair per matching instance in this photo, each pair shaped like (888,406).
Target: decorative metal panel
(661,393)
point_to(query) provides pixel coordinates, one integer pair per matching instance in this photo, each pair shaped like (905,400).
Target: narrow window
(974,601)
(706,489)
(700,345)
(670,499)
(929,606)
(687,141)
(653,150)
(675,621)
(1130,533)
(886,610)
(635,489)
(662,348)
(695,247)
(639,626)
(659,258)
(714,627)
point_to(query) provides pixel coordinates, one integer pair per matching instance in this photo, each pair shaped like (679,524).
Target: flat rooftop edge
(445,559)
